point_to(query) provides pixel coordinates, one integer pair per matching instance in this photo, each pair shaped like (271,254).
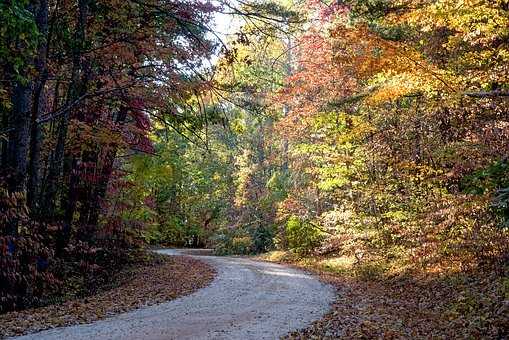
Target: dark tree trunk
(69,206)
(19,136)
(57,161)
(22,110)
(17,147)
(56,166)
(107,169)
(3,142)
(38,106)
(99,193)
(34,166)
(47,204)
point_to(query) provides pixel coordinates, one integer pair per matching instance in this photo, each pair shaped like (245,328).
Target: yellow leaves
(358,131)
(397,215)
(238,126)
(396,68)
(393,86)
(469,32)
(471,21)
(503,54)
(419,172)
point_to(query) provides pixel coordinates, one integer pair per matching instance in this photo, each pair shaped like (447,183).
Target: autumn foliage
(397,118)
(369,137)
(77,82)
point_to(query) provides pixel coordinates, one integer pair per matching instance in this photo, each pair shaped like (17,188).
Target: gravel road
(247,300)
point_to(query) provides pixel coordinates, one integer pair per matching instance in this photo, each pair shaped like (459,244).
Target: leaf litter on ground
(162,279)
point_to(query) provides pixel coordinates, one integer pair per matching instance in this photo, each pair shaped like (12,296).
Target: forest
(363,139)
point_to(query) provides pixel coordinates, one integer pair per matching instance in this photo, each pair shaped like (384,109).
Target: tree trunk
(3,140)
(38,106)
(286,109)
(69,206)
(57,162)
(19,136)
(107,169)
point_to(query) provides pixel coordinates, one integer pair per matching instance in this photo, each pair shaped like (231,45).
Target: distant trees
(107,115)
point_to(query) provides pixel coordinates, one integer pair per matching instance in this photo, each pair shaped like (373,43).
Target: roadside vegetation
(366,140)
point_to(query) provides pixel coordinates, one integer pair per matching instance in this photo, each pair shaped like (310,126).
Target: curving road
(247,300)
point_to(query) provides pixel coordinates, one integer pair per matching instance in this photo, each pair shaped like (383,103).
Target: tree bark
(19,136)
(41,19)
(57,162)
(107,170)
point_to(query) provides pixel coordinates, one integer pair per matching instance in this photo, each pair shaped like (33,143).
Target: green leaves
(493,177)
(18,37)
(501,205)
(302,236)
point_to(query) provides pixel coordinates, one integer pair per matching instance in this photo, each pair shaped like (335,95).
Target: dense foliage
(398,127)
(369,133)
(82,82)
(372,130)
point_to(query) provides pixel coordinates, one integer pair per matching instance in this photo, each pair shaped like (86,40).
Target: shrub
(242,245)
(174,232)
(244,240)
(263,238)
(233,241)
(302,236)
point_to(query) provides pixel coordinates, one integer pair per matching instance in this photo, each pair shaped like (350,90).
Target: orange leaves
(382,125)
(358,51)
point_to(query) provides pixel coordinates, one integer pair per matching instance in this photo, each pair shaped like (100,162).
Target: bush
(242,245)
(302,236)
(174,232)
(263,238)
(233,241)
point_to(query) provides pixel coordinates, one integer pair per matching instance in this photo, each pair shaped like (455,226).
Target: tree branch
(487,94)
